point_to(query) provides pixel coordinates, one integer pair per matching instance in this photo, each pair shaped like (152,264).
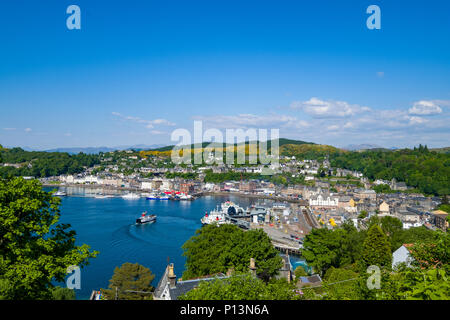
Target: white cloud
(252,120)
(425,108)
(380,74)
(28,130)
(318,108)
(333,127)
(148,123)
(9,129)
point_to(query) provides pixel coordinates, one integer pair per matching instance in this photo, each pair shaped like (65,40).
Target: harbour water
(108,226)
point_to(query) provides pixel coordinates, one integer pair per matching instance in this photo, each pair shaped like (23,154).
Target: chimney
(252,267)
(172,277)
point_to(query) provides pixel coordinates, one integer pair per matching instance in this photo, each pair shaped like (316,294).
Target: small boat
(131,196)
(144,218)
(103,196)
(60,193)
(185,197)
(158,197)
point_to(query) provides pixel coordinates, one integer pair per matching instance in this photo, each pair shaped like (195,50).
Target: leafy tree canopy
(34,248)
(219,248)
(128,278)
(242,287)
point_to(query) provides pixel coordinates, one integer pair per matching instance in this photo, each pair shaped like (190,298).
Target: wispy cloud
(318,108)
(150,124)
(9,129)
(28,130)
(252,121)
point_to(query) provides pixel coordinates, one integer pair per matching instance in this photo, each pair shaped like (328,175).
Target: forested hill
(420,168)
(44,164)
(281,142)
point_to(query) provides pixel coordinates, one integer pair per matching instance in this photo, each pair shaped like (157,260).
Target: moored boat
(131,196)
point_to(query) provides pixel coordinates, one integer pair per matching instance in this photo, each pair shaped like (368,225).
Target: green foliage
(300,272)
(426,279)
(377,249)
(363,214)
(383,188)
(429,284)
(187,175)
(34,249)
(60,293)
(445,207)
(420,168)
(216,249)
(44,164)
(339,284)
(325,248)
(242,287)
(130,277)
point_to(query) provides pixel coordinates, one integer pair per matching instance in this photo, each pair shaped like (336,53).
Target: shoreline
(197,195)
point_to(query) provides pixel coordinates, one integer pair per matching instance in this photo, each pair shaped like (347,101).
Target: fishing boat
(144,218)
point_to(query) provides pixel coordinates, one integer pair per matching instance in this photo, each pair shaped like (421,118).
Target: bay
(108,226)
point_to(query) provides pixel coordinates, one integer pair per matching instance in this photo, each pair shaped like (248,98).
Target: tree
(377,249)
(34,249)
(216,249)
(363,214)
(242,287)
(127,279)
(300,272)
(322,249)
(60,293)
(340,284)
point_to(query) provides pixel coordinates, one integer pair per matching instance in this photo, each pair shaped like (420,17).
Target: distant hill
(364,146)
(95,150)
(281,142)
(308,151)
(445,150)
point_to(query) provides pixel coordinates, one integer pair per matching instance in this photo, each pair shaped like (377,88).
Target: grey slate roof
(183,287)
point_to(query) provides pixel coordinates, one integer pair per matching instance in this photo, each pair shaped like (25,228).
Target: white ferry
(146,218)
(214,217)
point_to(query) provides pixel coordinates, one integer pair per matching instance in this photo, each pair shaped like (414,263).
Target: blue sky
(137,70)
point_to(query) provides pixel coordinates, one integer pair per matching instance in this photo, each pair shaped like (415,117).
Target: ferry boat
(232,209)
(130,196)
(60,193)
(144,218)
(214,217)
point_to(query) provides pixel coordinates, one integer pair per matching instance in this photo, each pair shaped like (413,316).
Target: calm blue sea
(107,225)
